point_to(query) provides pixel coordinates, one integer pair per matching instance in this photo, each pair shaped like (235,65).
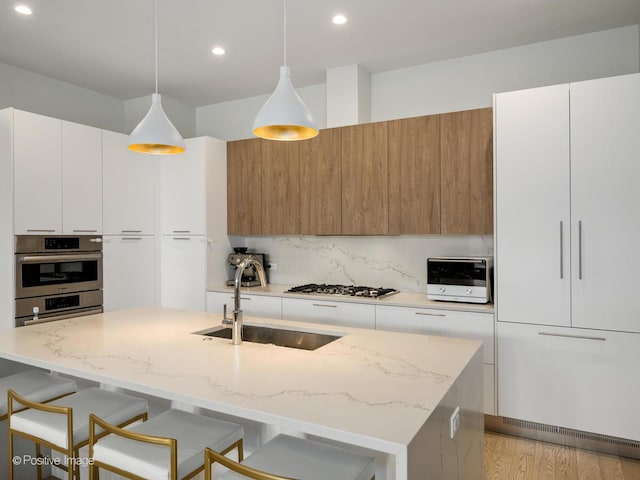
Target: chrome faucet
(235,322)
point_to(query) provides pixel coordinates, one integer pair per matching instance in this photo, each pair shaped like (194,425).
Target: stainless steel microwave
(460,279)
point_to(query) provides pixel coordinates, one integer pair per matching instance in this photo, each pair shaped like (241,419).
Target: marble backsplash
(378,261)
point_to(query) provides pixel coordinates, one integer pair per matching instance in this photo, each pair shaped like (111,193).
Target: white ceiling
(107,46)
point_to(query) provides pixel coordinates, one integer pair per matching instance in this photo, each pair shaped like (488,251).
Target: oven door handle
(62,317)
(59,258)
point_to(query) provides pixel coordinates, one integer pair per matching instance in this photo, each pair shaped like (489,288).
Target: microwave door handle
(58,258)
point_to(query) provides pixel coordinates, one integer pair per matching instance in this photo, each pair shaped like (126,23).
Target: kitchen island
(389,394)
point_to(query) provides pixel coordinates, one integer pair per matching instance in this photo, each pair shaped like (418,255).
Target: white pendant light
(155,134)
(285,116)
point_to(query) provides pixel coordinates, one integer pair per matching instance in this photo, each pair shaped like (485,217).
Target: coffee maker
(249,276)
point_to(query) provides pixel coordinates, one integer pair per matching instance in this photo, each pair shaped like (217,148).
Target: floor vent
(563,436)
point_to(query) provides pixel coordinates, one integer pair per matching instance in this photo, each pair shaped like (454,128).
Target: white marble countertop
(400,299)
(372,389)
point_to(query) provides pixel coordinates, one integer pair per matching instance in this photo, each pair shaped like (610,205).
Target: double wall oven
(57,277)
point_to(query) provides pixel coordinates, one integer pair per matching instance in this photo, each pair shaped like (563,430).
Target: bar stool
(284,457)
(64,424)
(34,385)
(168,446)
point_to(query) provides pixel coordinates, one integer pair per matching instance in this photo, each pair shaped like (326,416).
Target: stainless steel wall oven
(57,276)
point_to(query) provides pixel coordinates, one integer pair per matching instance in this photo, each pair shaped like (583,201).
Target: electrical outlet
(272,266)
(454,422)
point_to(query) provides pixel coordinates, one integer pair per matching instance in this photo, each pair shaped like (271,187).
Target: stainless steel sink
(276,336)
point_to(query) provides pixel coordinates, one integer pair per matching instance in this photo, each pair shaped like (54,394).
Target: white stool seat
(192,432)
(34,385)
(307,460)
(115,407)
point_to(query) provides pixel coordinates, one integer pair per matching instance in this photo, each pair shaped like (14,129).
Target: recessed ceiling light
(218,51)
(339,19)
(23,9)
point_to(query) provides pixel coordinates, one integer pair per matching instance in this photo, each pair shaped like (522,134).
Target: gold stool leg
(10,450)
(240,451)
(38,466)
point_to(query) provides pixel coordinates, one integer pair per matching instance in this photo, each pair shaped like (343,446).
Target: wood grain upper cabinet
(414,175)
(365,182)
(280,188)
(466,144)
(321,184)
(244,187)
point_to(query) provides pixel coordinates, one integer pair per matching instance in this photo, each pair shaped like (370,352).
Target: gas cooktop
(348,290)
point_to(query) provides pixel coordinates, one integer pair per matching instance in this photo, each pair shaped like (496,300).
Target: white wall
(234,120)
(181,115)
(457,84)
(36,93)
(47,96)
(469,82)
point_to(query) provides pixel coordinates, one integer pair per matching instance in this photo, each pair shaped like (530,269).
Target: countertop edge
(401,299)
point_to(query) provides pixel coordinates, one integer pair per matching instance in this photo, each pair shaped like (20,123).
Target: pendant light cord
(284,8)
(155,33)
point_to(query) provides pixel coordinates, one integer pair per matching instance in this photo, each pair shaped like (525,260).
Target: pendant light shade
(155,134)
(285,116)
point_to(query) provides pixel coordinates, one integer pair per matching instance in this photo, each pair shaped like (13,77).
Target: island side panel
(433,454)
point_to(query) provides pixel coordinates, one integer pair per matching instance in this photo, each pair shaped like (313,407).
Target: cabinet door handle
(580,250)
(41,230)
(241,298)
(131,231)
(324,305)
(431,314)
(181,238)
(85,231)
(131,238)
(181,231)
(565,335)
(561,251)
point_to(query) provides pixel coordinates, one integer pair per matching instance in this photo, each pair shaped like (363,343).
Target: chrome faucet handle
(226,320)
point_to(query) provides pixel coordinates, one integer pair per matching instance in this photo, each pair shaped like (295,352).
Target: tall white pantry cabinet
(567,168)
(129,246)
(193,221)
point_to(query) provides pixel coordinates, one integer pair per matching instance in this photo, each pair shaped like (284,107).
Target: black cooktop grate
(347,290)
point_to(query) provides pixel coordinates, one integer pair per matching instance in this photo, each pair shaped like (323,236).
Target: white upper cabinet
(183,190)
(128,183)
(605,171)
(566,200)
(37,174)
(532,174)
(81,179)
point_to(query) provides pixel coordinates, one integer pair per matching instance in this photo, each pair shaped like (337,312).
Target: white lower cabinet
(183,272)
(252,305)
(129,271)
(348,314)
(570,377)
(447,323)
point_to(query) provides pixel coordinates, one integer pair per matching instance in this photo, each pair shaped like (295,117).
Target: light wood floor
(511,458)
